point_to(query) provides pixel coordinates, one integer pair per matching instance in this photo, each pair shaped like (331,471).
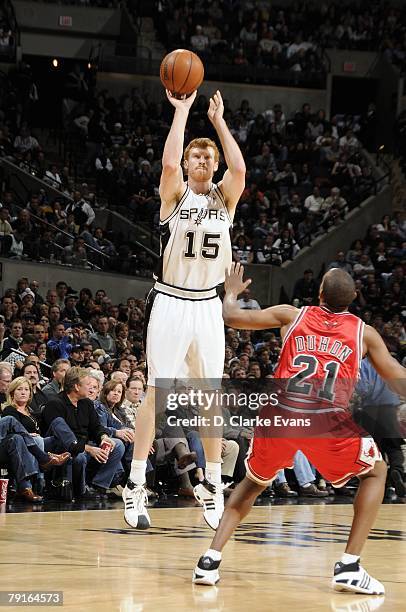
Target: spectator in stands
(25,142)
(306,289)
(78,430)
(6,41)
(102,339)
(246,302)
(264,254)
(60,344)
(70,313)
(13,244)
(27,346)
(285,247)
(14,339)
(378,416)
(336,201)
(127,411)
(199,41)
(363,266)
(24,458)
(110,399)
(83,213)
(38,400)
(340,262)
(76,255)
(5,227)
(314,202)
(6,376)
(59,369)
(52,177)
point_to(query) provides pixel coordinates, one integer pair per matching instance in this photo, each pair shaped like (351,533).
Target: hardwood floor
(281,558)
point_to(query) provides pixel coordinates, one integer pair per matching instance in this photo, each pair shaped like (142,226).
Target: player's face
(200,164)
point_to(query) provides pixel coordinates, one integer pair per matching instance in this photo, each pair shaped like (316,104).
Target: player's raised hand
(216,108)
(182,103)
(234,282)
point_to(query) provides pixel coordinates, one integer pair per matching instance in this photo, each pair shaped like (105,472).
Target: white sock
(213,472)
(138,469)
(346,558)
(308,484)
(213,554)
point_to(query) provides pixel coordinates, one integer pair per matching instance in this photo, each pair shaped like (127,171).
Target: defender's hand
(183,104)
(234,282)
(216,108)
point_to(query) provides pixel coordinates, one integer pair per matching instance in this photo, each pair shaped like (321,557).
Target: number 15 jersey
(195,243)
(320,360)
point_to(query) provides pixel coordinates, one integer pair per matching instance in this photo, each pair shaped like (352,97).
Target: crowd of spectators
(101,344)
(8,32)
(272,35)
(304,173)
(376,263)
(92,3)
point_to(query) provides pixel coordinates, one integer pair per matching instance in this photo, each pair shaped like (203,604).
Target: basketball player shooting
(326,342)
(183,324)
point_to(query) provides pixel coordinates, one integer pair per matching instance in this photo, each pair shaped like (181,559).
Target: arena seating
(271,36)
(304,172)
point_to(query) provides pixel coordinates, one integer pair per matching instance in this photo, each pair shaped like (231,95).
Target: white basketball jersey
(195,242)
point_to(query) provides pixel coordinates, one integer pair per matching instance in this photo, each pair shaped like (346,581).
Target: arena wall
(45,16)
(261,97)
(118,287)
(42,34)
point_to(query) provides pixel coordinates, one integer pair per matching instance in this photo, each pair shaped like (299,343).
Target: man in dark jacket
(306,289)
(72,419)
(59,369)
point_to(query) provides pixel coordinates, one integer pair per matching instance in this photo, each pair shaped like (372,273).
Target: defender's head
(201,159)
(337,290)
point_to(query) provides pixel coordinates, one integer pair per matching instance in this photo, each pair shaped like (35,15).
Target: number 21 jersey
(320,360)
(195,242)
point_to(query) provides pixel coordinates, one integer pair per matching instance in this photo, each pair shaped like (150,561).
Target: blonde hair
(11,390)
(202,143)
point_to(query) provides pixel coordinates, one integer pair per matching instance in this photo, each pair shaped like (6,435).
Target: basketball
(181,72)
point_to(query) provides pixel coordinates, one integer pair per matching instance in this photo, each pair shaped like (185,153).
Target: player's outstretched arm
(171,186)
(386,365)
(234,316)
(233,182)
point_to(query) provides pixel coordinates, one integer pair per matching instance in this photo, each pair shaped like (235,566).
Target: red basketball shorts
(337,459)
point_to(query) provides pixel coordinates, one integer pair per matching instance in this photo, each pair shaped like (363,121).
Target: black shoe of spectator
(390,493)
(284,490)
(324,486)
(398,483)
(92,493)
(312,491)
(267,493)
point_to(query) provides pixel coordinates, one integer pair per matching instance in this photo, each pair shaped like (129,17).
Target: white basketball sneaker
(206,571)
(135,500)
(211,497)
(353,578)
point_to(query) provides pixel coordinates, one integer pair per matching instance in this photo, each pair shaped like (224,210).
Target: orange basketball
(181,72)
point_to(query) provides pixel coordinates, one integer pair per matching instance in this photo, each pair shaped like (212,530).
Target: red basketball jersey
(320,357)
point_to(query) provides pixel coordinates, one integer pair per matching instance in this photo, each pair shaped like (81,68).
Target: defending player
(321,343)
(184,324)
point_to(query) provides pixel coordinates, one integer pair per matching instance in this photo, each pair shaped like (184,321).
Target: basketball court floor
(281,558)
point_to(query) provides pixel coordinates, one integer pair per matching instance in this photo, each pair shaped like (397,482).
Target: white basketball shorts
(184,339)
